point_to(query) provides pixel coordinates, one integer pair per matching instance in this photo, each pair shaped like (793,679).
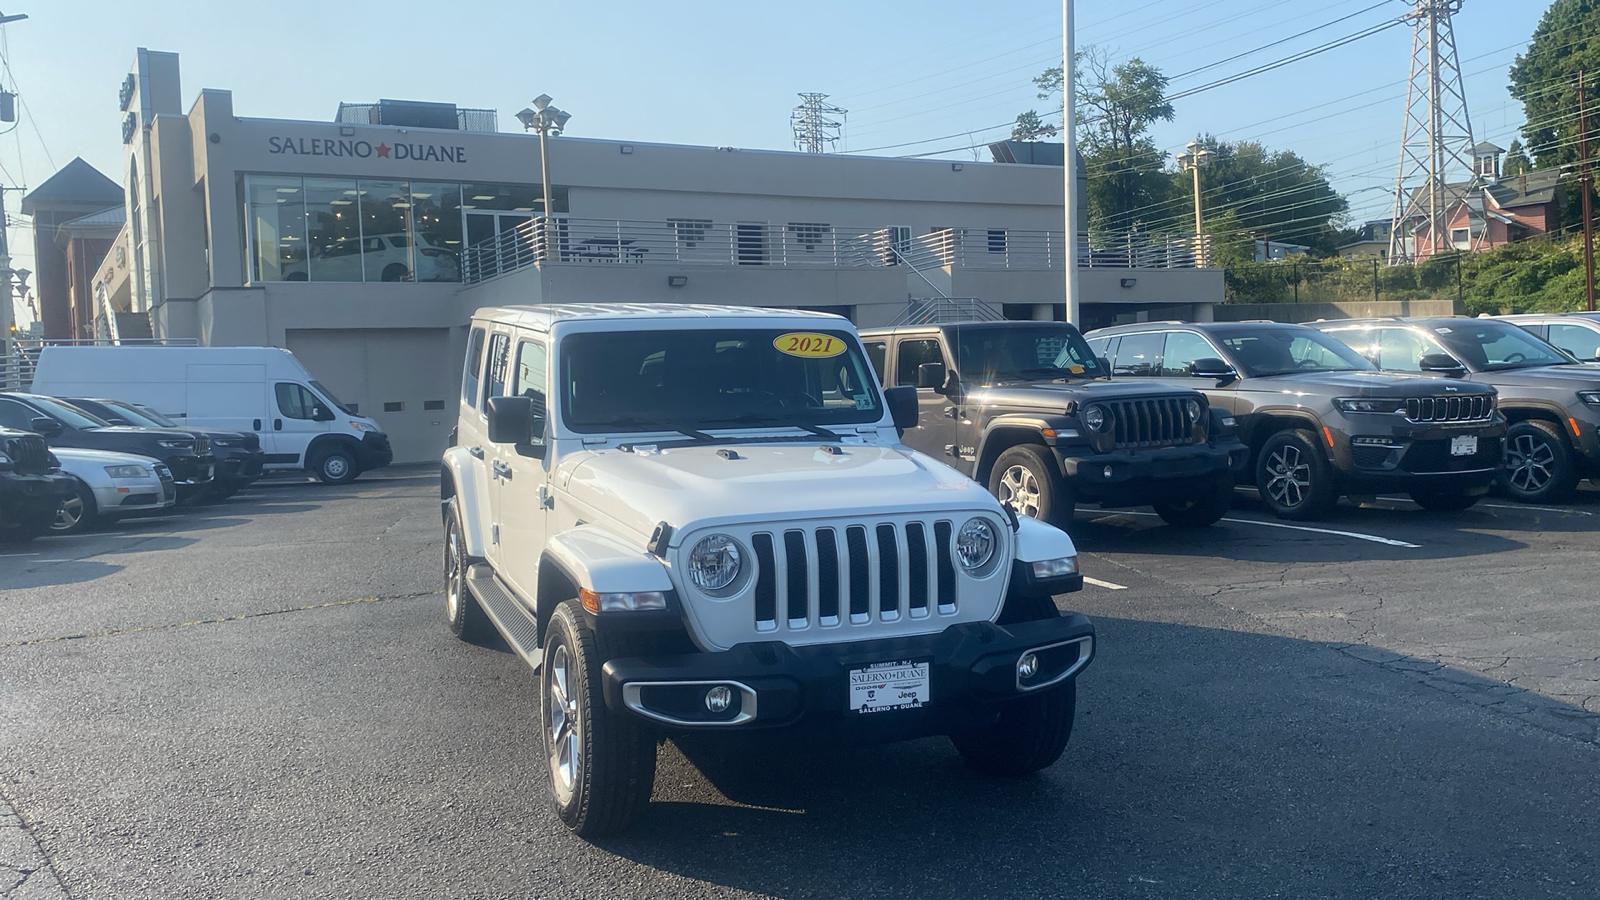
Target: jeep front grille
(1471,408)
(29,454)
(816,577)
(1158,422)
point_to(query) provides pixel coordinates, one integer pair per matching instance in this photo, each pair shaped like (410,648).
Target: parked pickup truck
(701,519)
(1026,409)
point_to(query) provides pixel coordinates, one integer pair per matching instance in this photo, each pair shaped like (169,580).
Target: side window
(495,368)
(294,401)
(470,380)
(1183,348)
(1579,340)
(1139,355)
(912,354)
(1402,351)
(878,355)
(1105,347)
(15,415)
(528,379)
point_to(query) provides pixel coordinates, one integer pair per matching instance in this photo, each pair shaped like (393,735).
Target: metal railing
(941,310)
(701,242)
(18,367)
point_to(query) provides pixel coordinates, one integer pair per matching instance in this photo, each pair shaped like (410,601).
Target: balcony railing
(699,242)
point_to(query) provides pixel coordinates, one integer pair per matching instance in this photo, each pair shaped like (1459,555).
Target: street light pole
(549,122)
(1069,157)
(1196,159)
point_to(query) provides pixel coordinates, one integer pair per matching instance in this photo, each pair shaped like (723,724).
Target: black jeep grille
(29,455)
(1472,408)
(1158,422)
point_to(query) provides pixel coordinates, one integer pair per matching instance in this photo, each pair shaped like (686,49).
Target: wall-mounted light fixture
(955,167)
(346,131)
(626,149)
(1129,282)
(677,280)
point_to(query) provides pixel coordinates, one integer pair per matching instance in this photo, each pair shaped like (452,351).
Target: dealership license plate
(894,685)
(1465,445)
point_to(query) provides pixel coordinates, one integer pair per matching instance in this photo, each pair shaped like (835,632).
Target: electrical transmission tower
(1437,135)
(814,131)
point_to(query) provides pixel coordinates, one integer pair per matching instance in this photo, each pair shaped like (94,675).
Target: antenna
(814,131)
(1437,133)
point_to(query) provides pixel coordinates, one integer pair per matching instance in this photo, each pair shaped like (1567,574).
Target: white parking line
(1571,512)
(1376,539)
(1110,586)
(6,555)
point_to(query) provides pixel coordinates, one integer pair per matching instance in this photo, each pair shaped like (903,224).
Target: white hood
(764,482)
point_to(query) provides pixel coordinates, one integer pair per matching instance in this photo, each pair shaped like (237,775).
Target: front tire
(336,466)
(1206,506)
(1294,477)
(1031,734)
(602,763)
(1443,502)
(1539,467)
(1026,478)
(466,616)
(78,513)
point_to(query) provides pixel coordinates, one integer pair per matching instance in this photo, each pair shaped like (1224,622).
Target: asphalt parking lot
(262,699)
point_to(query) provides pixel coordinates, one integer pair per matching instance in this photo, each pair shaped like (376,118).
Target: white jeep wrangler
(700,518)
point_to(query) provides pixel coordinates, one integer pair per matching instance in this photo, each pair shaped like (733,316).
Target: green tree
(1030,127)
(1517,161)
(1545,79)
(1117,104)
(1271,192)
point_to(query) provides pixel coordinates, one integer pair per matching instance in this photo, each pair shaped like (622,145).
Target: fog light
(1109,472)
(1027,666)
(718,699)
(1055,568)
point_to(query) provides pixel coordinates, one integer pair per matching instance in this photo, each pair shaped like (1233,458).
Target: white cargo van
(266,390)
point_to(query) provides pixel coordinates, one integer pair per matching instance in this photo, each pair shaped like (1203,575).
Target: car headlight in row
(1592,398)
(364,428)
(1193,408)
(715,562)
(127,471)
(1095,418)
(1365,405)
(975,544)
(175,443)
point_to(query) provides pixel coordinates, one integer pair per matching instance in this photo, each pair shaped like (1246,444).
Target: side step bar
(514,620)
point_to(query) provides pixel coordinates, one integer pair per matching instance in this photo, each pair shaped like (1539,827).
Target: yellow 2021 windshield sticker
(807,345)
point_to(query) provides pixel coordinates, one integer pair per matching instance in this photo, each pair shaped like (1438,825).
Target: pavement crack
(168,626)
(20,876)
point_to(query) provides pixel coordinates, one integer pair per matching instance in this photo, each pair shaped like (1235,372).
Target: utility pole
(1196,159)
(1586,181)
(1437,132)
(8,314)
(1069,156)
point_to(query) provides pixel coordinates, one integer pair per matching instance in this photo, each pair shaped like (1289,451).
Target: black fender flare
(1004,432)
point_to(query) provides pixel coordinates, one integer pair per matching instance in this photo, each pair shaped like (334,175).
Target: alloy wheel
(69,515)
(565,733)
(1529,462)
(453,572)
(1288,477)
(1019,489)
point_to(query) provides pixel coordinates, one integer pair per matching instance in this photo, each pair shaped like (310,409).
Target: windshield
(151,414)
(67,413)
(1263,352)
(640,381)
(135,415)
(1493,346)
(328,395)
(987,353)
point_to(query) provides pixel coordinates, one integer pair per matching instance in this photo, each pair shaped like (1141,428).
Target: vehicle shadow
(1205,762)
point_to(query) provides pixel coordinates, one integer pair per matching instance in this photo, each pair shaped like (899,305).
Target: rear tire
(602,763)
(1294,477)
(466,616)
(1026,478)
(78,513)
(1443,502)
(1205,507)
(336,466)
(1539,467)
(1031,734)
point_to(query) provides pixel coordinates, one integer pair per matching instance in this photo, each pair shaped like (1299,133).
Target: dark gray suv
(1550,399)
(1319,419)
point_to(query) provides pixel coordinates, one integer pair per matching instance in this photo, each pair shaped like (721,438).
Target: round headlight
(975,544)
(1193,406)
(714,562)
(1095,418)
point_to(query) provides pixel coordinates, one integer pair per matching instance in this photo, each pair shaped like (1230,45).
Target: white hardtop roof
(544,316)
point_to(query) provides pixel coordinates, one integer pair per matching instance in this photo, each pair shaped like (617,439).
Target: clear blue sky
(726,73)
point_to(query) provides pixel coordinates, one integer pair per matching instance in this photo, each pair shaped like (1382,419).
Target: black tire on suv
(1294,476)
(467,618)
(1203,508)
(1025,478)
(1539,467)
(1032,732)
(27,527)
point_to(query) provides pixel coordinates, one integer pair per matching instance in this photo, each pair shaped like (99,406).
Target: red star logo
(383,151)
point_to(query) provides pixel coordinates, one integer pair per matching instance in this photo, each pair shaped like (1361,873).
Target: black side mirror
(1212,368)
(1105,364)
(47,426)
(931,375)
(321,414)
(903,405)
(517,420)
(1441,364)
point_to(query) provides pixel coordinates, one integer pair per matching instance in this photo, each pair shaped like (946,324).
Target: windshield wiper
(635,422)
(760,418)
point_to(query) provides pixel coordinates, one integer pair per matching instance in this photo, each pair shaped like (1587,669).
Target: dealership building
(363,244)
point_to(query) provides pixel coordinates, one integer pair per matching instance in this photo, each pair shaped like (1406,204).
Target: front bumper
(239,465)
(1418,457)
(192,471)
(374,451)
(1137,477)
(128,495)
(971,668)
(25,496)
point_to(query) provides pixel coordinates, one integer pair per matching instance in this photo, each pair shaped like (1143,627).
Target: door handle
(255,424)
(477,452)
(502,470)
(277,424)
(952,413)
